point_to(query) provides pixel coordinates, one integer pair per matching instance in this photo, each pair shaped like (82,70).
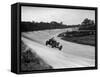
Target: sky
(67,16)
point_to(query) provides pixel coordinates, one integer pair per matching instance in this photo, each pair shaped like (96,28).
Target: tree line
(86,24)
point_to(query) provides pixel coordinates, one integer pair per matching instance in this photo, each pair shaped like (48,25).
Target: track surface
(71,56)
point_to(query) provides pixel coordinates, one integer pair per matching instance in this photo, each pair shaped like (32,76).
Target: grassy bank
(31,61)
(86,37)
(87,40)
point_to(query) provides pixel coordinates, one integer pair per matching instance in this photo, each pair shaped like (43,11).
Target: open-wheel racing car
(53,43)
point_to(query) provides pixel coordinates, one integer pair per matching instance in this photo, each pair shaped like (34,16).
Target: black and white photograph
(57,38)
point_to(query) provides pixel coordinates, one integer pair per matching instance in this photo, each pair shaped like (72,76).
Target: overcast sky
(67,16)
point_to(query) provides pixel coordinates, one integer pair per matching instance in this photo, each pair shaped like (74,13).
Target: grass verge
(31,61)
(87,40)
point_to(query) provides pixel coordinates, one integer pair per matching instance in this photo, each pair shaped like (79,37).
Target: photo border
(54,6)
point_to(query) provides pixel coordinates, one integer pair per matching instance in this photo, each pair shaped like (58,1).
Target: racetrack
(71,56)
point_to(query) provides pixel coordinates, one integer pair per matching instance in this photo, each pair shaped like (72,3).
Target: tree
(87,22)
(54,22)
(61,23)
